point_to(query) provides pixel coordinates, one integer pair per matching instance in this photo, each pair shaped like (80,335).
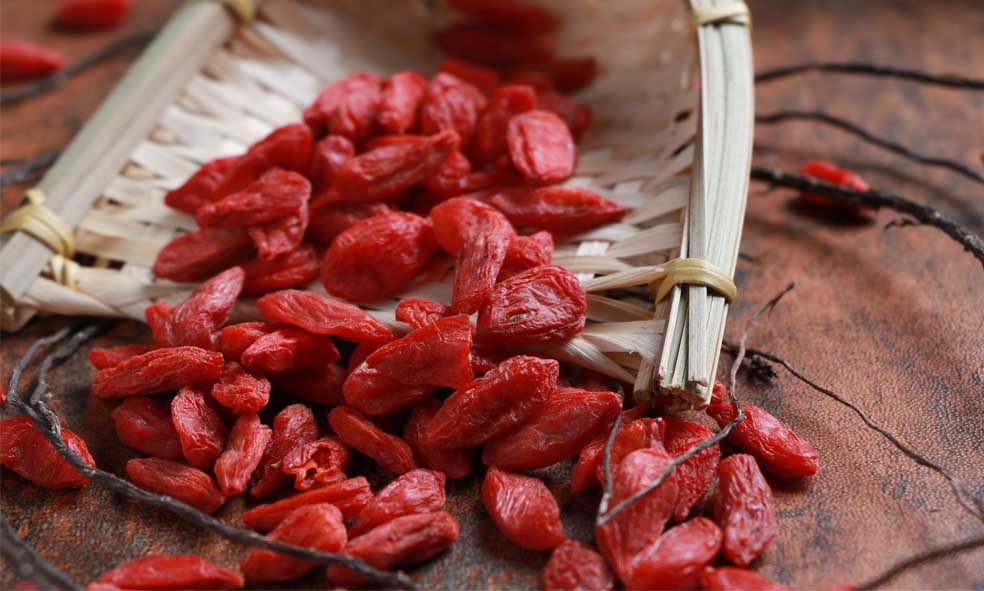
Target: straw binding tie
(693,272)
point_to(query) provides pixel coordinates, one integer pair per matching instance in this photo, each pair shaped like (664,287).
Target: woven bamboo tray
(216,80)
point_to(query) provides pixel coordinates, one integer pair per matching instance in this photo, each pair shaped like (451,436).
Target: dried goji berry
(184,483)
(458,218)
(780,450)
(584,471)
(289,348)
(490,132)
(25,450)
(828,172)
(587,470)
(273,239)
(676,560)
(420,313)
(355,116)
(330,153)
(570,74)
(639,525)
(236,338)
(322,315)
(247,442)
(743,507)
(404,541)
(297,267)
(494,403)
(526,252)
(566,421)
(288,147)
(719,393)
(320,385)
(483,79)
(560,210)
(391,171)
(523,509)
(694,476)
(103,358)
(276,194)
(451,104)
(574,566)
(728,578)
(202,187)
(144,424)
(158,316)
(172,571)
(491,46)
(200,428)
(203,253)
(160,370)
(400,102)
(541,146)
(638,434)
(377,257)
(382,141)
(389,451)
(241,391)
(319,527)
(294,426)
(319,113)
(21,59)
(316,463)
(455,463)
(577,116)
(539,305)
(508,14)
(196,320)
(417,491)
(452,178)
(349,496)
(329,219)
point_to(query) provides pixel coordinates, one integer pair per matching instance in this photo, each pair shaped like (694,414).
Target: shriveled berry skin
(523,509)
(539,305)
(378,256)
(451,104)
(318,385)
(417,491)
(780,450)
(490,134)
(560,210)
(160,370)
(203,253)
(494,403)
(459,218)
(319,527)
(400,102)
(677,559)
(743,508)
(288,147)
(236,338)
(694,477)
(350,496)
(455,463)
(729,578)
(318,115)
(247,441)
(172,571)
(583,472)
(292,427)
(241,391)
(195,321)
(567,420)
(316,463)
(526,252)
(452,178)
(390,452)
(297,267)
(330,218)
(404,541)
(167,477)
(321,315)
(24,450)
(144,424)
(202,187)
(541,147)
(419,313)
(355,116)
(200,428)
(277,194)
(103,358)
(289,348)
(574,566)
(638,434)
(277,238)
(330,153)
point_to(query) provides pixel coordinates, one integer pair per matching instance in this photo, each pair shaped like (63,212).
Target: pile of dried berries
(387,182)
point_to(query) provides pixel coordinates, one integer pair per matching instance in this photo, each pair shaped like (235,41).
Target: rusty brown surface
(890,318)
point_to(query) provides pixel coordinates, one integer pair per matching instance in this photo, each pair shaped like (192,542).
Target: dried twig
(951,81)
(853,128)
(30,565)
(921,558)
(23,171)
(923,214)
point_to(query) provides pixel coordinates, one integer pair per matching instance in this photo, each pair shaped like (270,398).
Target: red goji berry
(322,315)
(494,403)
(577,116)
(638,434)
(184,483)
(389,451)
(25,450)
(289,348)
(320,385)
(719,393)
(329,219)
(319,527)
(417,491)
(523,509)
(562,211)
(420,313)
(202,187)
(455,463)
(529,76)
(484,79)
(382,141)
(452,178)
(292,269)
(355,116)
(456,219)
(827,172)
(587,470)
(694,476)
(160,370)
(400,102)
(377,257)
(248,440)
(318,114)
(391,171)
(541,146)
(241,391)
(349,496)
(91,14)
(639,525)
(780,450)
(566,421)
(404,541)
(288,147)
(236,338)
(196,320)
(490,46)
(574,566)
(275,195)
(197,255)
(273,239)
(200,428)
(743,507)
(330,153)
(293,427)
(171,571)
(510,15)
(144,424)
(570,74)
(728,578)
(584,471)
(677,559)
(539,305)
(491,130)
(316,463)
(526,252)
(22,60)
(451,104)
(103,358)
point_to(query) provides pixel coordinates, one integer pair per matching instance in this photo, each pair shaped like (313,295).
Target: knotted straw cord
(42,223)
(736,13)
(693,272)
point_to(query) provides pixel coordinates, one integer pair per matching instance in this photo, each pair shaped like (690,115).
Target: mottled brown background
(891,318)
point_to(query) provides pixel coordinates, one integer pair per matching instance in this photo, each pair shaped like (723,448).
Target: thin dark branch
(918,559)
(923,214)
(58,78)
(23,171)
(950,81)
(606,464)
(857,130)
(30,565)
